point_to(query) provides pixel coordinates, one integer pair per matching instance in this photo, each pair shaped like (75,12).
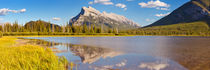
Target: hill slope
(195,10)
(198,28)
(41,26)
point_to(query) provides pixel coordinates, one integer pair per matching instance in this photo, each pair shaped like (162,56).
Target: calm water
(131,53)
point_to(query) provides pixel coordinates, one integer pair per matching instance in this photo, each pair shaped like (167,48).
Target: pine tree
(15,27)
(92,29)
(85,29)
(110,31)
(49,27)
(53,28)
(1,28)
(73,28)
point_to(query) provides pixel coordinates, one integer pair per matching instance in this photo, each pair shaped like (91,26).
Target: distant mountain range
(193,11)
(89,15)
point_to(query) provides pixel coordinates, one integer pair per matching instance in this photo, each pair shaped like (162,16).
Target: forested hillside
(195,10)
(199,28)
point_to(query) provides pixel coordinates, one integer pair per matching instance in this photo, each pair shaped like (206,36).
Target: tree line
(184,29)
(46,27)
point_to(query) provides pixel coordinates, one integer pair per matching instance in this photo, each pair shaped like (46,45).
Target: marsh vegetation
(28,57)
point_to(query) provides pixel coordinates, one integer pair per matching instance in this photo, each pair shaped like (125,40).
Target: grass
(55,34)
(28,57)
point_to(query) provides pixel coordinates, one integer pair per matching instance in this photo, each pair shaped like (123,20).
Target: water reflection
(91,54)
(124,53)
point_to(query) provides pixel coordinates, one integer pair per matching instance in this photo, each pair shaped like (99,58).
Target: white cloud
(108,2)
(23,10)
(121,64)
(104,2)
(153,66)
(162,15)
(56,19)
(120,5)
(155,4)
(5,11)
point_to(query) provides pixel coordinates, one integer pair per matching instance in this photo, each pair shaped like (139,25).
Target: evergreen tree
(73,28)
(110,31)
(92,29)
(49,27)
(85,29)
(1,28)
(15,27)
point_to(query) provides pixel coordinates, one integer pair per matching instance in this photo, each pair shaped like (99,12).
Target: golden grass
(28,57)
(74,36)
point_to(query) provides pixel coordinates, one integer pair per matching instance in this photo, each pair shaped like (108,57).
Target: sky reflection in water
(126,53)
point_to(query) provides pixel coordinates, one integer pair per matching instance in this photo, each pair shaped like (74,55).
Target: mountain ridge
(90,15)
(195,10)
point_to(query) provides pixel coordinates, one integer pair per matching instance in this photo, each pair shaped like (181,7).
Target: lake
(133,53)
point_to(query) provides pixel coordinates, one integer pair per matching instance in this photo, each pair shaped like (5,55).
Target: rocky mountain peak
(87,11)
(90,15)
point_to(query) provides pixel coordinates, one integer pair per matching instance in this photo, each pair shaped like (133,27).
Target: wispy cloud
(56,19)
(162,15)
(6,11)
(121,64)
(104,2)
(109,2)
(120,5)
(163,9)
(153,66)
(149,20)
(155,4)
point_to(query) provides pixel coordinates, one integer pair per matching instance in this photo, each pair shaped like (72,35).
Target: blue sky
(144,12)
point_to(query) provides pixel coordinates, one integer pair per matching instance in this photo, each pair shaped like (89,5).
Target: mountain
(89,15)
(193,11)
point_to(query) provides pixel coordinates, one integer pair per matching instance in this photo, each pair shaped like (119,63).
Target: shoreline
(107,36)
(40,34)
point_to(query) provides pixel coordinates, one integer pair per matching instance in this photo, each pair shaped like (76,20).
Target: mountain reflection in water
(98,58)
(91,54)
(133,53)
